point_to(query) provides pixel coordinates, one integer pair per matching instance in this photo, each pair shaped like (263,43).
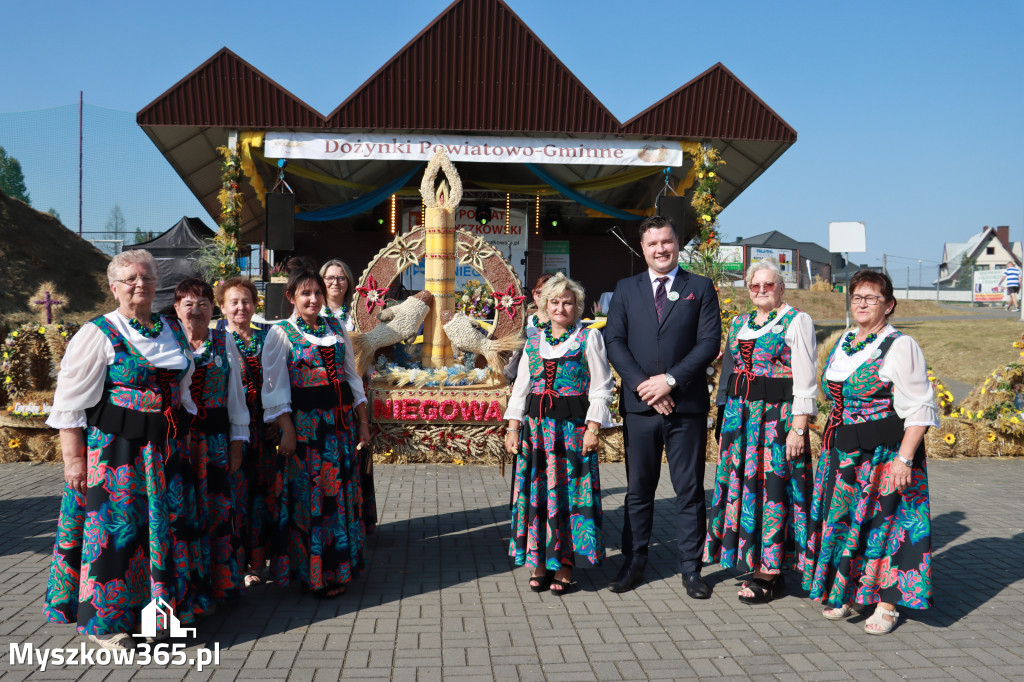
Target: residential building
(990,249)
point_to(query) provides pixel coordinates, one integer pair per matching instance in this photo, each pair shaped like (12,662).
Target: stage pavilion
(553,166)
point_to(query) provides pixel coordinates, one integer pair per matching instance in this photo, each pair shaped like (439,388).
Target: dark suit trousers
(683,437)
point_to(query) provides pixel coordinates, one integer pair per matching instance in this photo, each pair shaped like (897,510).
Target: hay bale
(19,444)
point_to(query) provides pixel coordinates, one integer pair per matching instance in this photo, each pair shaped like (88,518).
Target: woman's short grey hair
(558,285)
(350,290)
(122,260)
(764,264)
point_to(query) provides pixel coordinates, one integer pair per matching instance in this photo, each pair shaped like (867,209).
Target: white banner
(511,244)
(476,148)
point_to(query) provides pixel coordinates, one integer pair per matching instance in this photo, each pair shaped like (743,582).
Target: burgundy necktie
(660,297)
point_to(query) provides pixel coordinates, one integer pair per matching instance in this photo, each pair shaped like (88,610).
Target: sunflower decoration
(950,439)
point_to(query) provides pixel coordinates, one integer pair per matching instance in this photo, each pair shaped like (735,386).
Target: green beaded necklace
(151,333)
(546,326)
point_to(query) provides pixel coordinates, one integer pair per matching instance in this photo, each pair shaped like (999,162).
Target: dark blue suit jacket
(686,341)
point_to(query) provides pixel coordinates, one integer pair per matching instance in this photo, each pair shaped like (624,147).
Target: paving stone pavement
(440,599)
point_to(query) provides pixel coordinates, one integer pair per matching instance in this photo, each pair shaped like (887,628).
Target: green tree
(12,180)
(54,213)
(116,224)
(965,278)
(142,236)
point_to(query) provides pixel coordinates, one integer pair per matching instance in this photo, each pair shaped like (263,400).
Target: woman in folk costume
(758,516)
(219,434)
(312,391)
(259,486)
(869,535)
(340,290)
(341,287)
(558,405)
(127,516)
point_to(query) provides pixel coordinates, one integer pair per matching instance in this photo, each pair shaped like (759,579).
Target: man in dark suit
(664,329)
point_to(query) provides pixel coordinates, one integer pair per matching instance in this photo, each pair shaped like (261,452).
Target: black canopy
(175,253)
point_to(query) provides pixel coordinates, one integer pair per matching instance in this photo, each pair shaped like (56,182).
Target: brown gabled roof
(226,90)
(714,105)
(476,67)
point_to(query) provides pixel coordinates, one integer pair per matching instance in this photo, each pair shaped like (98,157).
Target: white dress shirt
(803,356)
(83,370)
(904,366)
(277,389)
(602,385)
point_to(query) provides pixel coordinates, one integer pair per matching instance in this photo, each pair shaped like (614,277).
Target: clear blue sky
(910,114)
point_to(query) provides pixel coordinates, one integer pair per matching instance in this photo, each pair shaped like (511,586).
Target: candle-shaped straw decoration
(439,254)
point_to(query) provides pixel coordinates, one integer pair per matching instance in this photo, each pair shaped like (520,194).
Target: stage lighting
(483,215)
(553,216)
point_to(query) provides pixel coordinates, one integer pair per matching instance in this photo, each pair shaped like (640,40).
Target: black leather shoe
(695,586)
(623,569)
(630,577)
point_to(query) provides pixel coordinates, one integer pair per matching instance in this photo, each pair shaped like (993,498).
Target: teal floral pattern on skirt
(556,496)
(132,538)
(867,541)
(758,516)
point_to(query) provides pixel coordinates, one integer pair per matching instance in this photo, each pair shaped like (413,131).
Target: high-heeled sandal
(841,613)
(877,619)
(539,583)
(563,586)
(764,590)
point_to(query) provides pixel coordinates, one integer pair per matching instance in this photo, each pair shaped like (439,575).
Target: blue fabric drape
(580,198)
(362,204)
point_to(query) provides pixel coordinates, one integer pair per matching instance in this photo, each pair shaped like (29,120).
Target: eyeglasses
(132,281)
(857,299)
(189,304)
(339,279)
(764,286)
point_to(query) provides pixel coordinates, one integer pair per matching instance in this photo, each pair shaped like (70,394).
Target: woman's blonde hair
(126,258)
(556,286)
(764,264)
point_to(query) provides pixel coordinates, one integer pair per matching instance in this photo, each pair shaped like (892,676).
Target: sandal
(254,578)
(329,592)
(563,586)
(119,641)
(883,626)
(539,583)
(840,613)
(764,590)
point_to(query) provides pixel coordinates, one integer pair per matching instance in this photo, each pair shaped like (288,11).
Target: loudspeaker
(280,221)
(678,209)
(276,306)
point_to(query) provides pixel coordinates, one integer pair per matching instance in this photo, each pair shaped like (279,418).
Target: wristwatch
(670,380)
(596,432)
(909,463)
(799,432)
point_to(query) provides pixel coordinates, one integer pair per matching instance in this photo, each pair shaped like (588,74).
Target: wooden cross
(48,305)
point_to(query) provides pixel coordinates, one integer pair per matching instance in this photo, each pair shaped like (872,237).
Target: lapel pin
(673,295)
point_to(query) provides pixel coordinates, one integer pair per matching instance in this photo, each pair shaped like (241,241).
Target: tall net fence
(129,192)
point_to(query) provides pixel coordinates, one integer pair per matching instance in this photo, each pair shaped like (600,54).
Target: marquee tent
(175,253)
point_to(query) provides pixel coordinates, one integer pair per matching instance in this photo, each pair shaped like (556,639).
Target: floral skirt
(218,506)
(260,488)
(758,516)
(867,542)
(556,496)
(130,539)
(321,523)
